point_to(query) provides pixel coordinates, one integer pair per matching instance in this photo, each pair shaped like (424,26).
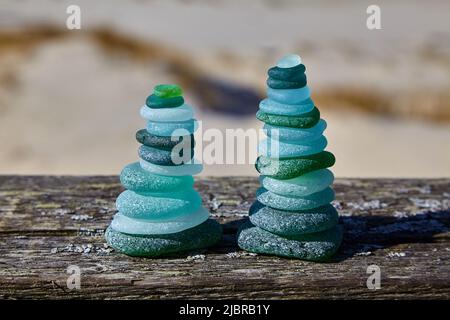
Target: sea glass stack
(292,216)
(160,213)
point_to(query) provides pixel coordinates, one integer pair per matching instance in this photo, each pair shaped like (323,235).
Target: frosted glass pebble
(181,113)
(295,135)
(289,61)
(279,149)
(274,107)
(156,245)
(319,246)
(134,178)
(289,96)
(187,169)
(311,201)
(157,206)
(291,224)
(303,185)
(167,129)
(127,225)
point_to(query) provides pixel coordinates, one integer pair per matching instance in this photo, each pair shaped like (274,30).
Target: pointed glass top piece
(289,61)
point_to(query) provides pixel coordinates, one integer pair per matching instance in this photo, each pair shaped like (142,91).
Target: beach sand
(69,103)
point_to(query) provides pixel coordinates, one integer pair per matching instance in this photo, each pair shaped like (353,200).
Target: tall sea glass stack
(160,213)
(293,215)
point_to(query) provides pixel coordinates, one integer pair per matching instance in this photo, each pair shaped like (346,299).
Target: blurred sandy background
(69,99)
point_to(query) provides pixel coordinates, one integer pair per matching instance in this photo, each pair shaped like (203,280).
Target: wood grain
(48,223)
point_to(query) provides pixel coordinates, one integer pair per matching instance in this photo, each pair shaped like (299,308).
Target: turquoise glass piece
(134,178)
(204,235)
(311,201)
(278,149)
(289,96)
(177,114)
(289,61)
(293,223)
(295,135)
(318,247)
(187,169)
(167,129)
(128,225)
(274,107)
(157,206)
(303,185)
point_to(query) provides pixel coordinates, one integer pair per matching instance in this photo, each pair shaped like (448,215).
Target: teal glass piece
(157,206)
(279,149)
(290,224)
(128,225)
(289,96)
(177,114)
(173,128)
(204,235)
(281,84)
(303,185)
(289,61)
(318,247)
(296,73)
(272,107)
(187,169)
(155,102)
(295,135)
(311,201)
(134,178)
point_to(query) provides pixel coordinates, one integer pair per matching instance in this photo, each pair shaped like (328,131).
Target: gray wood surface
(48,223)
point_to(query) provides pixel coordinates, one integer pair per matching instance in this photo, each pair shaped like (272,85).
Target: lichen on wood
(48,223)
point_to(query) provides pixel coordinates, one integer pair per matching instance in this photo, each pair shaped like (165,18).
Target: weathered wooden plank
(49,223)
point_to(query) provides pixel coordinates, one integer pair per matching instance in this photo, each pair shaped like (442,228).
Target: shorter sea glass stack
(293,215)
(160,213)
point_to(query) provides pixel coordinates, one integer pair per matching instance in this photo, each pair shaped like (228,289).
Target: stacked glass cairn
(160,213)
(293,215)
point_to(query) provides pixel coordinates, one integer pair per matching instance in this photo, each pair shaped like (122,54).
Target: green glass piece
(134,178)
(153,101)
(204,235)
(296,73)
(168,90)
(164,142)
(319,247)
(293,167)
(292,223)
(307,120)
(282,84)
